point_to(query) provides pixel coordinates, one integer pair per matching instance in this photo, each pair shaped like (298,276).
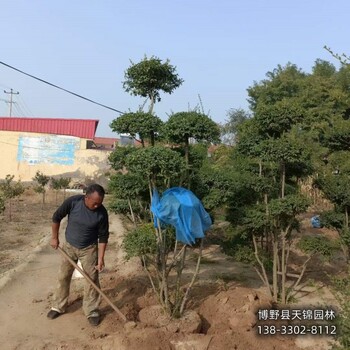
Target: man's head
(94,196)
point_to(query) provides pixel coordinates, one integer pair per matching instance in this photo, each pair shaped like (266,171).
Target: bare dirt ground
(222,308)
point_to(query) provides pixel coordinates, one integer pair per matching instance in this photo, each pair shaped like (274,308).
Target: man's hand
(100,265)
(54,243)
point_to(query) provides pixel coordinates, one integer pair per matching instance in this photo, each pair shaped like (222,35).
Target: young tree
(273,139)
(64,182)
(149,77)
(42,181)
(2,203)
(9,190)
(229,129)
(58,184)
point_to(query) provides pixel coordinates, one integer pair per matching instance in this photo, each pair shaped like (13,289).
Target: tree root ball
(155,316)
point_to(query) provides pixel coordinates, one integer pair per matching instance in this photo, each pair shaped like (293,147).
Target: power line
(19,110)
(58,87)
(25,107)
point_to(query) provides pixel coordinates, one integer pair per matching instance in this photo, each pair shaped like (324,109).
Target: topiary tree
(155,167)
(159,168)
(149,77)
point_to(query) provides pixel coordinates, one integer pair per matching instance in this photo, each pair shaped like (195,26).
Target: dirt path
(24,301)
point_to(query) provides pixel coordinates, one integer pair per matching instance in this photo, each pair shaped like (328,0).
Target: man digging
(86,240)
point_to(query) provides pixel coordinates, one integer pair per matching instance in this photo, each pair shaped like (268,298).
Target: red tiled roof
(84,128)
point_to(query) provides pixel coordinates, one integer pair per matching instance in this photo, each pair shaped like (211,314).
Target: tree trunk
(152,138)
(10,207)
(260,168)
(131,211)
(187,151)
(274,268)
(283,171)
(266,232)
(151,97)
(283,270)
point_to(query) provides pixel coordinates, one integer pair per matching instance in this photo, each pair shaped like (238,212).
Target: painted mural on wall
(49,149)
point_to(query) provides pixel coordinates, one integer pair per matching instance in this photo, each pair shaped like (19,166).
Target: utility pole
(11,100)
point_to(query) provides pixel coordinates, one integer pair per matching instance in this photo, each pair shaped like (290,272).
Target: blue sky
(219,48)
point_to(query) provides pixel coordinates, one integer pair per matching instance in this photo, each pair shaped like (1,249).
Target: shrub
(316,244)
(140,242)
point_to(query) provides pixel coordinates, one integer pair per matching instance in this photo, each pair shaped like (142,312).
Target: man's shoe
(52,314)
(94,321)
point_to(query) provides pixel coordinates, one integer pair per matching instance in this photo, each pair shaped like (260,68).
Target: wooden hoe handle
(104,296)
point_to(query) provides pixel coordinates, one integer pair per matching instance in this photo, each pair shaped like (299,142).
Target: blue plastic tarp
(180,208)
(316,221)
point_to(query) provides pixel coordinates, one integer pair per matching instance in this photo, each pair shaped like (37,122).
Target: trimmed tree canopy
(150,76)
(144,124)
(183,125)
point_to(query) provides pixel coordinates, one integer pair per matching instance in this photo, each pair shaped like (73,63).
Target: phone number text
(297,330)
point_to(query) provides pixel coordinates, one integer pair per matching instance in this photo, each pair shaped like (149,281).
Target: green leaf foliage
(183,125)
(289,206)
(121,206)
(146,125)
(274,120)
(59,183)
(335,188)
(150,76)
(337,137)
(127,185)
(316,244)
(283,150)
(229,129)
(118,157)
(140,242)
(157,162)
(10,189)
(332,219)
(41,179)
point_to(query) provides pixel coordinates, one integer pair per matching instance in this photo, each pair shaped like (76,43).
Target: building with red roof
(56,147)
